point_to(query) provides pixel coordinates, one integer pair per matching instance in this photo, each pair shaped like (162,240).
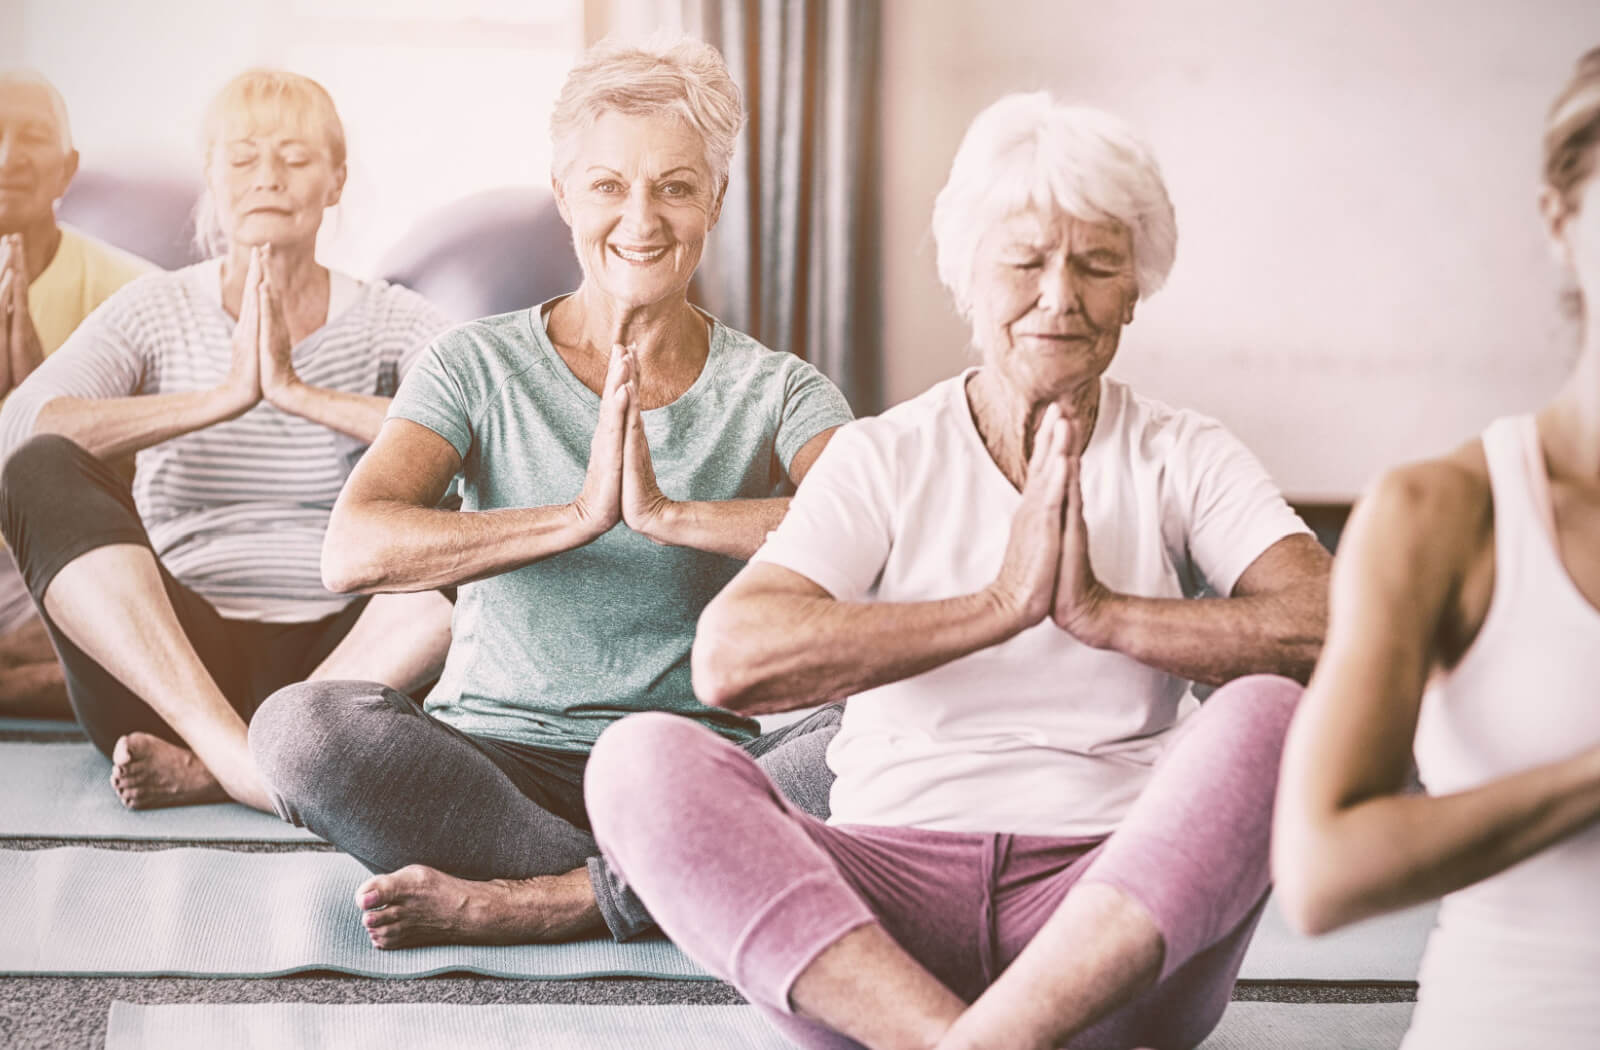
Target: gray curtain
(794,261)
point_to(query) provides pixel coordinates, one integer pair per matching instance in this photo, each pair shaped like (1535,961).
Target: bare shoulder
(1436,507)
(1420,548)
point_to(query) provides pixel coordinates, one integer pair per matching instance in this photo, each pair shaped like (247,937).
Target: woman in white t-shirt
(1466,630)
(1004,577)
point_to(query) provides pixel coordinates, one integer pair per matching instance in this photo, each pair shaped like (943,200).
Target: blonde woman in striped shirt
(247,386)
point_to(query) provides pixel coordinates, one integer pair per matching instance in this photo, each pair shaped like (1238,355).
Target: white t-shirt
(1041,734)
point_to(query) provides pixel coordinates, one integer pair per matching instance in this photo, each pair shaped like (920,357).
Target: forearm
(735,527)
(1214,640)
(1392,850)
(119,426)
(382,546)
(359,415)
(767,652)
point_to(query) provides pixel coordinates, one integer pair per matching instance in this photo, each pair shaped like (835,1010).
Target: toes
(377,919)
(121,754)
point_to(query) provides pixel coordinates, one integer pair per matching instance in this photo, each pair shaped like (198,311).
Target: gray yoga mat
(198,912)
(48,727)
(1246,1026)
(1388,948)
(216,913)
(64,791)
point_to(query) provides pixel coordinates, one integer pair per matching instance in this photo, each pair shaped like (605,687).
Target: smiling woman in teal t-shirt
(620,454)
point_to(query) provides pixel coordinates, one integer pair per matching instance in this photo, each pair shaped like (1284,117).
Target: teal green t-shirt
(552,653)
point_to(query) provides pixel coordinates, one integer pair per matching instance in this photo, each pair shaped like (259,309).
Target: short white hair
(58,105)
(1030,152)
(677,75)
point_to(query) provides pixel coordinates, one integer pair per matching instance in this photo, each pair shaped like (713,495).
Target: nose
(268,173)
(1058,287)
(639,215)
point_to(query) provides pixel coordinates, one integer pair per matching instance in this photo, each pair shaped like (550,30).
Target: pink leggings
(754,889)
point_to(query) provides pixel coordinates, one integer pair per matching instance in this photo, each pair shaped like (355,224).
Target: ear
(716,207)
(1553,209)
(339,175)
(1127,312)
(69,168)
(559,191)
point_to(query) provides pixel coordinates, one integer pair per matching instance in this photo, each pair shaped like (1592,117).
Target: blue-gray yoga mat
(64,791)
(198,912)
(217,913)
(306,1026)
(1388,948)
(50,727)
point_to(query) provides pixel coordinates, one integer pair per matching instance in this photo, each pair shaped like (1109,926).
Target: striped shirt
(236,511)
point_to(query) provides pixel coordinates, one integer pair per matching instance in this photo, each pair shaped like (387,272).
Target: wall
(438,101)
(1361,274)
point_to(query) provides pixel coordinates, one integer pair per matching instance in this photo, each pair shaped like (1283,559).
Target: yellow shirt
(82,275)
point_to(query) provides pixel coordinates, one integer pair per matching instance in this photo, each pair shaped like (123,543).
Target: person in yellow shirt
(51,278)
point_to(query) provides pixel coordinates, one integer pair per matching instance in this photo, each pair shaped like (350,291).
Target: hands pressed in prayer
(1046,570)
(599,504)
(274,346)
(1080,598)
(20,350)
(621,482)
(643,505)
(1026,584)
(244,375)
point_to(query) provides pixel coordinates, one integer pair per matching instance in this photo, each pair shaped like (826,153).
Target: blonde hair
(1028,151)
(263,98)
(680,76)
(1572,131)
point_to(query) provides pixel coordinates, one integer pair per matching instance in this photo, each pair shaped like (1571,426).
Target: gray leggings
(364,767)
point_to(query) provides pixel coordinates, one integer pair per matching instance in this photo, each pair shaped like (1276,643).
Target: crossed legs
(473,840)
(160,681)
(1131,942)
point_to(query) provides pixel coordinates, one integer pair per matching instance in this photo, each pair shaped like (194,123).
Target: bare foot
(148,773)
(420,905)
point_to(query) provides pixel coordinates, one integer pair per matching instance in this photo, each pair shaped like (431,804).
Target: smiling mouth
(634,255)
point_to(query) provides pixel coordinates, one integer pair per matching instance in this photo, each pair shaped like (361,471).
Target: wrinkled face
(640,199)
(1050,294)
(34,168)
(270,185)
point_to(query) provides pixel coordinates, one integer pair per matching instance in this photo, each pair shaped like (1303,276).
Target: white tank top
(1515,959)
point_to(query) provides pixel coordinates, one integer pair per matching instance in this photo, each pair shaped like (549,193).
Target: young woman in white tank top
(1466,622)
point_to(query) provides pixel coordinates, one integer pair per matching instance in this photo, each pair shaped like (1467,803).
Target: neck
(1007,417)
(595,321)
(1570,424)
(294,269)
(40,241)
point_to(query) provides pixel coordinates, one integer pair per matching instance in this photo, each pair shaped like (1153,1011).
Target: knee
(39,465)
(295,731)
(1258,705)
(653,755)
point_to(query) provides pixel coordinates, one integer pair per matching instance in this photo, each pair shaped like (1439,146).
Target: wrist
(1097,620)
(285,392)
(661,524)
(582,523)
(1004,612)
(234,399)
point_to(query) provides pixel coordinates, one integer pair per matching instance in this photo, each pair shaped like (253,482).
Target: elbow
(1308,909)
(1308,888)
(719,666)
(348,566)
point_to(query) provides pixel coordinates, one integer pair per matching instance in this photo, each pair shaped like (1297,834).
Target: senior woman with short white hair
(1035,839)
(620,454)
